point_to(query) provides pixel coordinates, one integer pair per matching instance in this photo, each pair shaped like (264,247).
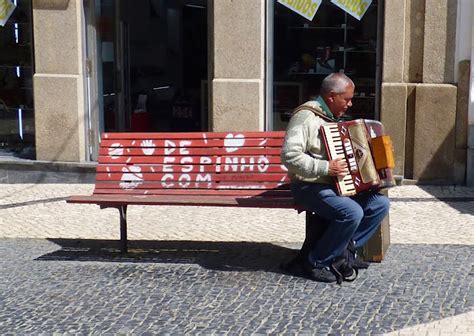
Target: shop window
(17,129)
(152,65)
(304,52)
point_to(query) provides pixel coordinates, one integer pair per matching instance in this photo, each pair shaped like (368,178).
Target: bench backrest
(217,163)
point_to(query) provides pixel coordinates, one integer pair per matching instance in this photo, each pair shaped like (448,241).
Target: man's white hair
(336,82)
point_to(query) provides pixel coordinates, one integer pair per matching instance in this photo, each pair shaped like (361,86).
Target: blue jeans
(350,218)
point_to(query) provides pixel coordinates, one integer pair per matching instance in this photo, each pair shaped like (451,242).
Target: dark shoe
(294,266)
(343,270)
(319,273)
(359,263)
(353,259)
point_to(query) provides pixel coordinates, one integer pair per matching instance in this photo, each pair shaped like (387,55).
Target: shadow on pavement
(223,256)
(459,198)
(416,284)
(462,204)
(34,202)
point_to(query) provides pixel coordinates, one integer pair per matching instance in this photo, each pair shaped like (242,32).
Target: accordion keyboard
(335,149)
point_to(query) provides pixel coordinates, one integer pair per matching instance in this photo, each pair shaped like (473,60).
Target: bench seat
(189,200)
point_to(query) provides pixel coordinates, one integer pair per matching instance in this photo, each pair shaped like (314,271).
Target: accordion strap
(315,111)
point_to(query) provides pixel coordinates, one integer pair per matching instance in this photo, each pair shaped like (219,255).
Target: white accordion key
(336,148)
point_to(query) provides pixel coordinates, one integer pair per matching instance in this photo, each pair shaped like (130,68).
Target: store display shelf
(353,50)
(321,28)
(360,116)
(363,97)
(17,45)
(12,23)
(16,108)
(366,51)
(15,66)
(342,49)
(307,73)
(315,74)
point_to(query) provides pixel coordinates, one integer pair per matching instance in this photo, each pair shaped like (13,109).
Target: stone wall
(238,65)
(421,106)
(58,80)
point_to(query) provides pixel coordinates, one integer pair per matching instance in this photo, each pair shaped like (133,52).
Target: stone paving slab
(460,325)
(216,271)
(39,211)
(225,289)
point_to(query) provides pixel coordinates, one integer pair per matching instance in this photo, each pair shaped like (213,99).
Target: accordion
(367,151)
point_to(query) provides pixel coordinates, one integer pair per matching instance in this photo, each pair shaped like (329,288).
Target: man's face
(339,103)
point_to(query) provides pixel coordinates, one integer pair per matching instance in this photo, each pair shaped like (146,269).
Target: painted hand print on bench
(148,147)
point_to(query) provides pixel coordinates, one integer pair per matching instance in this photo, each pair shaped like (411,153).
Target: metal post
(123,228)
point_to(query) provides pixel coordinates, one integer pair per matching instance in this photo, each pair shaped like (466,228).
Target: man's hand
(338,167)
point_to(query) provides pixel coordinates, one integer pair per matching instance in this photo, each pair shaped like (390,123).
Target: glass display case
(304,52)
(17,128)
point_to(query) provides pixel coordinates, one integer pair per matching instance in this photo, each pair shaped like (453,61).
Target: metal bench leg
(123,228)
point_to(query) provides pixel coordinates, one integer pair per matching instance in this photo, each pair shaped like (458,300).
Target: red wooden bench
(226,169)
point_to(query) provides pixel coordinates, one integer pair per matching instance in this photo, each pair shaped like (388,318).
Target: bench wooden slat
(188,143)
(223,192)
(231,201)
(137,160)
(193,135)
(183,186)
(192,167)
(171,177)
(196,151)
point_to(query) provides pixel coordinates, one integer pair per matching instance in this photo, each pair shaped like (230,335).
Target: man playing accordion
(352,220)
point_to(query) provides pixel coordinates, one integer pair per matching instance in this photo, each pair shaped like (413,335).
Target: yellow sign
(306,8)
(356,8)
(6,10)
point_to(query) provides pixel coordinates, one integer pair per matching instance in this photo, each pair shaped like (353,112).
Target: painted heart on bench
(233,142)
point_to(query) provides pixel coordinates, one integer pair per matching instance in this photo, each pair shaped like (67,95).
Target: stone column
(393,41)
(59,80)
(434,146)
(439,43)
(393,107)
(434,142)
(418,103)
(393,110)
(462,115)
(470,120)
(238,72)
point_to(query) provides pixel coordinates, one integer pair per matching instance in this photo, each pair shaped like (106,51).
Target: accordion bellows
(367,150)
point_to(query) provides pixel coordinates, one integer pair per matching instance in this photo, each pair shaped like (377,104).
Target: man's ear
(330,97)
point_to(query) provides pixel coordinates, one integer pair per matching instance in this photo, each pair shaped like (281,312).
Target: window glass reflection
(304,52)
(16,85)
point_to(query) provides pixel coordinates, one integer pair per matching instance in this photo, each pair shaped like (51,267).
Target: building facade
(223,65)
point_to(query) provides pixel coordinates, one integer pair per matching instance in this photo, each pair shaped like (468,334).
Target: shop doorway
(151,65)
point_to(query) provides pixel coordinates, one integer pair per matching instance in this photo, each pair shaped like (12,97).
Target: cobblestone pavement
(216,271)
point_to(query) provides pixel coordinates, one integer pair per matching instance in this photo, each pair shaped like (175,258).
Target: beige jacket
(303,152)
